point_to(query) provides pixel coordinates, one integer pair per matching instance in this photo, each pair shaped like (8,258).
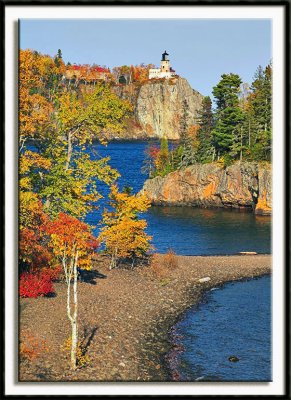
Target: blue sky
(200,50)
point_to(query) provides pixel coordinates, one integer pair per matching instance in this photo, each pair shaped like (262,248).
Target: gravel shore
(124,319)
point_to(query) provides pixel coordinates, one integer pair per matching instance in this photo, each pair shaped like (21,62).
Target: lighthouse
(165,62)
(165,71)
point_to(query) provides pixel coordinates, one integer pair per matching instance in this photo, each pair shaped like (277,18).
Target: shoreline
(169,358)
(166,330)
(127,317)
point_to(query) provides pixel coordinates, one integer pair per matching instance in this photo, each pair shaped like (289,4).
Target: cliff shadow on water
(208,231)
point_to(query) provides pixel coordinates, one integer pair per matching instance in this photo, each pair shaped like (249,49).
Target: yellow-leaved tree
(58,179)
(123,233)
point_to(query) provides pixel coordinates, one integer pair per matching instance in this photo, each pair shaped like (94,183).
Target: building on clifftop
(165,71)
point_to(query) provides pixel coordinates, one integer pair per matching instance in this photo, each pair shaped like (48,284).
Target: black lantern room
(165,56)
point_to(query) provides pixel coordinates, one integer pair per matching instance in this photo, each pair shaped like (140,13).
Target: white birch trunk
(71,272)
(75,315)
(69,151)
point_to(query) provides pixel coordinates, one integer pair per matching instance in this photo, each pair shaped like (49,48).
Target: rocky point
(243,185)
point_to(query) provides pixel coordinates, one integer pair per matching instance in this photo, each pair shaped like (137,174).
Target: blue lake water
(187,230)
(233,321)
(230,321)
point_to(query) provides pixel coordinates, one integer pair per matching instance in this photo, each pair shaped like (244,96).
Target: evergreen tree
(206,122)
(246,128)
(228,114)
(261,106)
(58,57)
(184,123)
(185,149)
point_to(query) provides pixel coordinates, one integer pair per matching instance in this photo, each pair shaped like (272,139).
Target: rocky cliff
(241,185)
(158,107)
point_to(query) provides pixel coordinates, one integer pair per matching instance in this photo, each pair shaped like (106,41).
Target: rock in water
(241,186)
(233,359)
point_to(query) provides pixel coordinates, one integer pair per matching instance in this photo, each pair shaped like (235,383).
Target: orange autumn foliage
(69,236)
(35,108)
(31,347)
(33,241)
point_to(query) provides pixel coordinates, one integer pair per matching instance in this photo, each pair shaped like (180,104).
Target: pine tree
(185,149)
(246,128)
(184,123)
(205,151)
(261,105)
(228,114)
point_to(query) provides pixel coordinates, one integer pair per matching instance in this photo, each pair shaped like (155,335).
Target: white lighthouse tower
(165,71)
(165,62)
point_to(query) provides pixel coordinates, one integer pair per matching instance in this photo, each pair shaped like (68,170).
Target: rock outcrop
(158,107)
(241,185)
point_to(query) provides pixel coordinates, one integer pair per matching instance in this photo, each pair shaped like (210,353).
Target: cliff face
(158,107)
(242,185)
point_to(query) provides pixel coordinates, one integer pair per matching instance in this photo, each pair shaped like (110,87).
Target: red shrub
(52,272)
(35,285)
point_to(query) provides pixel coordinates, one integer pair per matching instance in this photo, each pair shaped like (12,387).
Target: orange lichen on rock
(172,188)
(263,207)
(241,185)
(209,190)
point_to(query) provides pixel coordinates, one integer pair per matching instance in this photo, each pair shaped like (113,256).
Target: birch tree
(74,245)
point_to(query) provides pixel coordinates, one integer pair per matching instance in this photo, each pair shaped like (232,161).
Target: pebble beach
(124,318)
